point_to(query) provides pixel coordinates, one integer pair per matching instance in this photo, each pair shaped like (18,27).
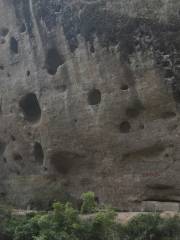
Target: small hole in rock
(28,73)
(5,160)
(13,138)
(92,49)
(53,60)
(125,127)
(1,67)
(38,153)
(17,157)
(30,107)
(14,45)
(124,87)
(141,126)
(94,97)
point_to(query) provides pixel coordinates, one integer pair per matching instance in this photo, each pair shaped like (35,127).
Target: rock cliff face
(90,100)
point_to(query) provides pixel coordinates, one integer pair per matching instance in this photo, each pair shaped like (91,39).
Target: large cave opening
(30,107)
(53,60)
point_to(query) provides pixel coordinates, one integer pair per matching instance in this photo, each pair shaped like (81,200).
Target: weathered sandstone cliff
(90,100)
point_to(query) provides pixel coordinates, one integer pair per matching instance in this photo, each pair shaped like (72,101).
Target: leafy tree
(89,204)
(104,225)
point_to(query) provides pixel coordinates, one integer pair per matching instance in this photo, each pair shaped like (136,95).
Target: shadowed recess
(53,60)
(13,45)
(2,147)
(147,152)
(125,127)
(135,109)
(17,157)
(30,107)
(124,87)
(64,161)
(159,187)
(38,153)
(94,97)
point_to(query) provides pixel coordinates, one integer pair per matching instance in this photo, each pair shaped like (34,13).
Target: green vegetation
(89,204)
(65,223)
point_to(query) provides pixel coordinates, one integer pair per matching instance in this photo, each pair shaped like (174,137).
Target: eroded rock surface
(90,100)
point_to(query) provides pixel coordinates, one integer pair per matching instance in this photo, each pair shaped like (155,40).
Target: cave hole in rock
(125,127)
(124,87)
(53,60)
(1,67)
(28,73)
(45,169)
(94,97)
(30,107)
(17,157)
(92,49)
(38,153)
(5,160)
(4,31)
(22,28)
(14,45)
(13,138)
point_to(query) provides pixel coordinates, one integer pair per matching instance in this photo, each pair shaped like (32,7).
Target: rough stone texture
(90,100)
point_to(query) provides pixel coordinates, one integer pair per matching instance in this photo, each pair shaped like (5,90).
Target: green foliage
(170,228)
(89,204)
(65,223)
(104,226)
(143,227)
(27,230)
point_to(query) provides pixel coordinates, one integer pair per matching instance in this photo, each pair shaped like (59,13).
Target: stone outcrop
(90,100)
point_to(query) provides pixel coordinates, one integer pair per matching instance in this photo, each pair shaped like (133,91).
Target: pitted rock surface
(90,100)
